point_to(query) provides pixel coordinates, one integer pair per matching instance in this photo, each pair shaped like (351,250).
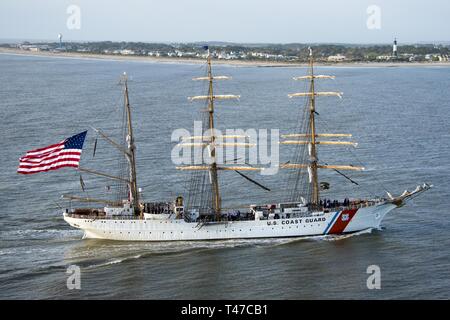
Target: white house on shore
(127,52)
(337,58)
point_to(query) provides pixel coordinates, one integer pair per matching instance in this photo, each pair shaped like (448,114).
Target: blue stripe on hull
(331,222)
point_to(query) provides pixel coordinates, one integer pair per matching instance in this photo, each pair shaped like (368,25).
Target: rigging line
(120,188)
(59,206)
(369,189)
(83,186)
(117,103)
(95,146)
(251,180)
(86,190)
(374,176)
(345,176)
(362,114)
(294,181)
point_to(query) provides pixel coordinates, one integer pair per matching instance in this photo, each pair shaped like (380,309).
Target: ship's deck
(100,215)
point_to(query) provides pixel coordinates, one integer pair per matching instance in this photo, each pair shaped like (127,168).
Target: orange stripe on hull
(342,221)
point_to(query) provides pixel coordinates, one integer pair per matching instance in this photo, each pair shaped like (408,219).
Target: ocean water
(399,116)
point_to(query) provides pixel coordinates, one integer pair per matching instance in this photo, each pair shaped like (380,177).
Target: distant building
(386,58)
(337,58)
(34,48)
(383,57)
(127,52)
(436,57)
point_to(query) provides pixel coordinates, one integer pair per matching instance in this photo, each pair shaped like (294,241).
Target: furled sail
(310,94)
(310,174)
(220,144)
(207,138)
(213,78)
(309,77)
(216,97)
(184,168)
(337,167)
(354,144)
(318,135)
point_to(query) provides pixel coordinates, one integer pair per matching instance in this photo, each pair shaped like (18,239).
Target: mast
(129,153)
(213,141)
(312,127)
(312,139)
(213,170)
(134,193)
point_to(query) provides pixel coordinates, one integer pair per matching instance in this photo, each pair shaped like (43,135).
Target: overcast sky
(276,21)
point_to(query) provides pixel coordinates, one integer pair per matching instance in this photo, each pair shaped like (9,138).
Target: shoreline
(267,64)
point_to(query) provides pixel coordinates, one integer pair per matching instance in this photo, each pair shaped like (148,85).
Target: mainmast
(312,126)
(213,171)
(131,148)
(310,138)
(213,141)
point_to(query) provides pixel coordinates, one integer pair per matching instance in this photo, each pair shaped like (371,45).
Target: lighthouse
(394,49)
(60,36)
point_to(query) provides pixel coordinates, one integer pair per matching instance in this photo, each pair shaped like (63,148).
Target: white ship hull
(319,223)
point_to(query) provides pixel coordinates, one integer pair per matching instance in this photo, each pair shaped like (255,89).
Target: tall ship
(201,215)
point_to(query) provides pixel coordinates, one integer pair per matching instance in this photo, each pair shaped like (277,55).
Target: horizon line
(15,40)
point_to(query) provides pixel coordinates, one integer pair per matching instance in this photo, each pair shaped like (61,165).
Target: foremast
(311,136)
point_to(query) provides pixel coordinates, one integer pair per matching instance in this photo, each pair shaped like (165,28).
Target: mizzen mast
(128,151)
(131,149)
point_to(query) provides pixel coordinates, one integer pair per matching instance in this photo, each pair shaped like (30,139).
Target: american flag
(66,153)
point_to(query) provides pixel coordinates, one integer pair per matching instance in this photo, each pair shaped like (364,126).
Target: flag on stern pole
(66,153)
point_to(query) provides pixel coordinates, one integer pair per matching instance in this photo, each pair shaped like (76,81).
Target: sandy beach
(80,55)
